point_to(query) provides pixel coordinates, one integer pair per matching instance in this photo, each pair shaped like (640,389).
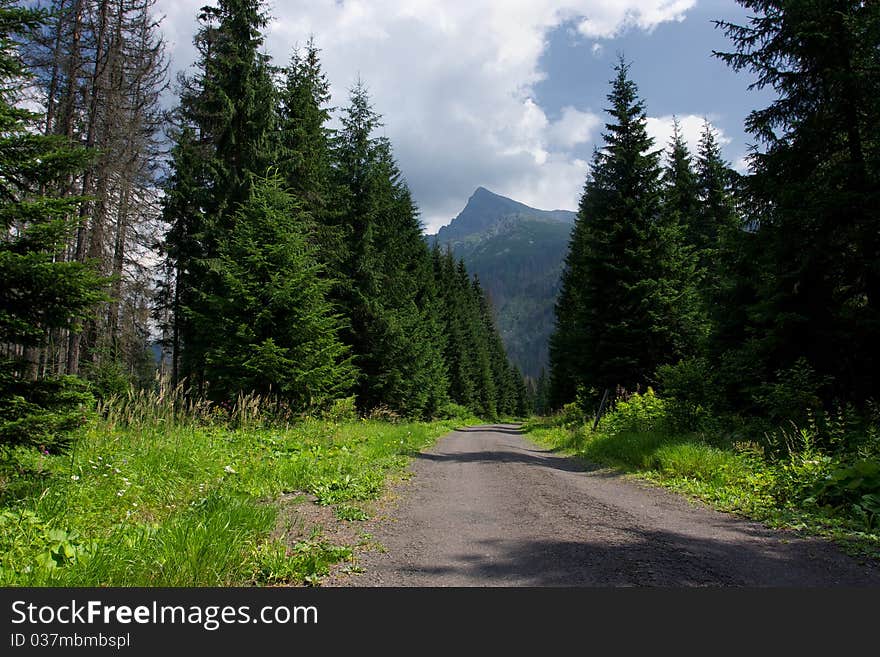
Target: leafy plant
(350,512)
(641,412)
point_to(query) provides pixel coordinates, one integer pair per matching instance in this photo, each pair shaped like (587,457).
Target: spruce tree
(305,158)
(395,331)
(619,284)
(814,190)
(461,380)
(40,291)
(276,334)
(684,252)
(224,141)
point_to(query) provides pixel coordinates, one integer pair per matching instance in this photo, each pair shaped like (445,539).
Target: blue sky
(672,65)
(508,94)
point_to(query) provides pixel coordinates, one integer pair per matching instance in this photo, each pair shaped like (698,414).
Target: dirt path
(485,507)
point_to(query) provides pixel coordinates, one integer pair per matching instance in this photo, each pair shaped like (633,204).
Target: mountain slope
(517,252)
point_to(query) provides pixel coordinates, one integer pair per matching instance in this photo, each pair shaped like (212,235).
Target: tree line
(753,294)
(276,255)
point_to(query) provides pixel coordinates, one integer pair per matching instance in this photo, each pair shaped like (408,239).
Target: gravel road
(485,507)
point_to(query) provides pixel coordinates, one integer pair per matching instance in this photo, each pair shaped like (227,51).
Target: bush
(639,413)
(572,414)
(690,393)
(341,410)
(451,411)
(794,397)
(43,412)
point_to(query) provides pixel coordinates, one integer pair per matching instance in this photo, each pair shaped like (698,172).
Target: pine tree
(615,316)
(40,292)
(814,190)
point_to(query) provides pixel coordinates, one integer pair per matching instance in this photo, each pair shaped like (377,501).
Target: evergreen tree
(305,154)
(224,140)
(389,295)
(620,276)
(276,333)
(522,405)
(505,392)
(477,346)
(305,140)
(461,380)
(40,292)
(684,250)
(725,260)
(681,202)
(567,348)
(542,394)
(814,190)
(716,214)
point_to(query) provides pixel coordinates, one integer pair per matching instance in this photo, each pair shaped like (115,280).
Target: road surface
(485,507)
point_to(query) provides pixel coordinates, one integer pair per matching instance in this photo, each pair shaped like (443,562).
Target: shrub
(341,410)
(452,411)
(42,412)
(640,412)
(572,414)
(690,392)
(794,397)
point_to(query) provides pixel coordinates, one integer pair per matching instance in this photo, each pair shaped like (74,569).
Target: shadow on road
(651,558)
(554,462)
(492,428)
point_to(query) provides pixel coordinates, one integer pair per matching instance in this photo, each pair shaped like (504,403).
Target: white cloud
(691,126)
(742,164)
(604,19)
(573,127)
(454,83)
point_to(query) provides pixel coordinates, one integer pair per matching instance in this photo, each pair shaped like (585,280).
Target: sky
(509,94)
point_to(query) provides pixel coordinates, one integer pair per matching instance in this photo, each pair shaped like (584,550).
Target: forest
(738,315)
(229,300)
(273,255)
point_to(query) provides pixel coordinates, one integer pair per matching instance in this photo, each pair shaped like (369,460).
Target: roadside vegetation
(821,477)
(157,491)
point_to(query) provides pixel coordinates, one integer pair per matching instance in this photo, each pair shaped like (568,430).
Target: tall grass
(162,491)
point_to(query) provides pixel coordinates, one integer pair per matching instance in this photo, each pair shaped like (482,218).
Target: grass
(735,477)
(183,502)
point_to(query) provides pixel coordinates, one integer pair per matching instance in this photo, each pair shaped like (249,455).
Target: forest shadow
(553,462)
(492,428)
(649,559)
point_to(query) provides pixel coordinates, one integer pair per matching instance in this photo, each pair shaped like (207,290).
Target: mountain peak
(485,210)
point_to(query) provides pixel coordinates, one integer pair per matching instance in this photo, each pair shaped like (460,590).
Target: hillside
(517,252)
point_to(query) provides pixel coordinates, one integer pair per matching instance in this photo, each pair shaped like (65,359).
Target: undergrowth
(155,493)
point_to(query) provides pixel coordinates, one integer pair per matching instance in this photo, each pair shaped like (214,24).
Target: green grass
(181,503)
(735,477)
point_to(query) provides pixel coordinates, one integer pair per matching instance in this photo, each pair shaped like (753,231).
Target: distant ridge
(518,252)
(485,209)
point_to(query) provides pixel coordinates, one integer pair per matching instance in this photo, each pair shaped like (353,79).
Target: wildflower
(74,477)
